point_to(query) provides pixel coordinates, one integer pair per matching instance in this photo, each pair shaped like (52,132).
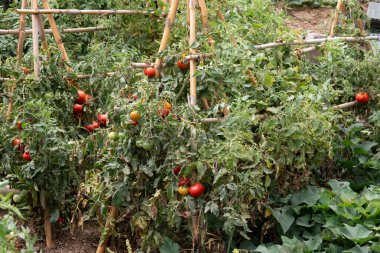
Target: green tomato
(113,136)
(17,198)
(48,95)
(139,143)
(148,145)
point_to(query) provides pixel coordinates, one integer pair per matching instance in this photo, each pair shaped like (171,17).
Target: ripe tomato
(77,108)
(197,190)
(26,156)
(167,105)
(81,97)
(61,220)
(113,136)
(184,181)
(362,97)
(177,170)
(135,122)
(89,127)
(164,113)
(183,190)
(16,142)
(102,118)
(182,65)
(150,72)
(95,124)
(26,70)
(19,126)
(135,115)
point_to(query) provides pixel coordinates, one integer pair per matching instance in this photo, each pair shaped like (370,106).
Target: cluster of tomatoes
(185,188)
(182,65)
(86,99)
(20,146)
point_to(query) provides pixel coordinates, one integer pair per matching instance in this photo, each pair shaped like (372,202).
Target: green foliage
(322,220)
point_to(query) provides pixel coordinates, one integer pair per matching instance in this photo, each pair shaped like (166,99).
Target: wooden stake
(36,50)
(187,12)
(21,33)
(346,105)
(108,228)
(204,18)
(82,12)
(339,8)
(48,31)
(192,38)
(56,34)
(206,107)
(48,229)
(41,31)
(10,101)
(166,36)
(363,33)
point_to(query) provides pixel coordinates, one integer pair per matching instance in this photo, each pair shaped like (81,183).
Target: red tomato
(26,156)
(95,124)
(77,108)
(362,97)
(183,66)
(30,120)
(197,190)
(102,119)
(61,220)
(164,113)
(81,97)
(19,126)
(184,181)
(16,142)
(26,70)
(89,127)
(135,122)
(177,170)
(150,72)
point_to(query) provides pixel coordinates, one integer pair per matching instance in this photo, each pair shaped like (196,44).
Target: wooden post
(165,37)
(109,226)
(48,229)
(339,8)
(192,38)
(363,33)
(206,107)
(21,33)
(41,31)
(10,101)
(204,18)
(56,34)
(36,50)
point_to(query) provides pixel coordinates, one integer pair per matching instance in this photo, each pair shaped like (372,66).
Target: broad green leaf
(284,216)
(169,246)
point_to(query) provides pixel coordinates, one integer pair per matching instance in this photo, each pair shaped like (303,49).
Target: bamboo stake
(363,33)
(339,7)
(187,13)
(206,107)
(108,228)
(252,78)
(4,79)
(204,19)
(82,12)
(7,191)
(48,229)
(218,120)
(192,38)
(10,101)
(36,51)
(21,33)
(49,31)
(56,34)
(141,65)
(198,56)
(41,31)
(166,36)
(346,105)
(316,41)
